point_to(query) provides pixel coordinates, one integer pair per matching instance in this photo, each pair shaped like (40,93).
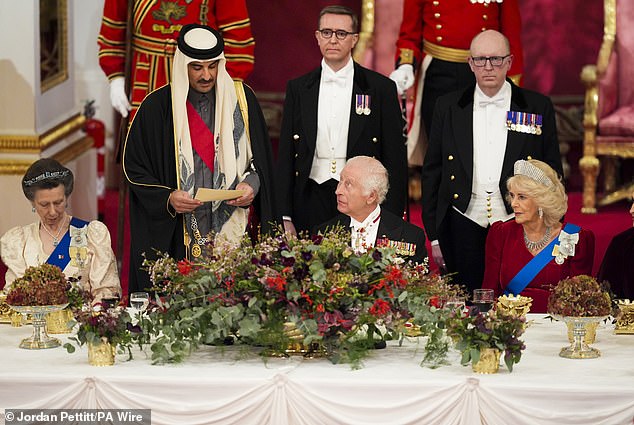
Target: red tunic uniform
(156,27)
(444,29)
(506,255)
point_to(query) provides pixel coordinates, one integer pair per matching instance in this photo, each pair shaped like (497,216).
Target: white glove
(403,76)
(118,98)
(436,254)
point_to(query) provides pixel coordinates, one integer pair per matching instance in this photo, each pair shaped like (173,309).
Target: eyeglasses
(482,60)
(340,34)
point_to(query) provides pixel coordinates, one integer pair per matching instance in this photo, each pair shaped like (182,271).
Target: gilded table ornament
(514,305)
(579,349)
(58,322)
(625,320)
(489,361)
(39,339)
(101,354)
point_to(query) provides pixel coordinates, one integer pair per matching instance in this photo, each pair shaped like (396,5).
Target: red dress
(156,27)
(506,254)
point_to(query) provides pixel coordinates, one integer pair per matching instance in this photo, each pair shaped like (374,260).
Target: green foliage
(103,323)
(283,289)
(487,330)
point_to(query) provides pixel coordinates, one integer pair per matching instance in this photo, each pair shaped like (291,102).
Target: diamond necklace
(59,230)
(537,246)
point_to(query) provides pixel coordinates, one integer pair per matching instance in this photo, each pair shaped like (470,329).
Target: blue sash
(60,256)
(536,265)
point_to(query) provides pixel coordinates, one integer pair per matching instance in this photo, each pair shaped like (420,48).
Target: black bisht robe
(149,164)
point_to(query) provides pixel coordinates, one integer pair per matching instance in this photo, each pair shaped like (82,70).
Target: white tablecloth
(391,388)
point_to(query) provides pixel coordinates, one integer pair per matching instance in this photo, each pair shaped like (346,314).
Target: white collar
(504,94)
(370,220)
(346,71)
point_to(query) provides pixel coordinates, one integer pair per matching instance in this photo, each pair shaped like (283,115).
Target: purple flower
(317,239)
(307,255)
(288,261)
(376,255)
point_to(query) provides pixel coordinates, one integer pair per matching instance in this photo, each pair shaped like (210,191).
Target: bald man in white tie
(477,135)
(337,111)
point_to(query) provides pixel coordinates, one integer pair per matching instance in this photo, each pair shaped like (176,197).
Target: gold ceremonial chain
(59,229)
(200,241)
(537,246)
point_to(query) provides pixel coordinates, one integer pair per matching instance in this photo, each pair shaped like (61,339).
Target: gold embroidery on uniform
(169,11)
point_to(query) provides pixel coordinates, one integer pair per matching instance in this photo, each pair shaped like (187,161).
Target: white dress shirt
(363,234)
(333,121)
(489,146)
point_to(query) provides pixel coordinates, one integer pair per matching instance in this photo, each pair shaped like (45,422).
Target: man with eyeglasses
(476,136)
(432,51)
(337,111)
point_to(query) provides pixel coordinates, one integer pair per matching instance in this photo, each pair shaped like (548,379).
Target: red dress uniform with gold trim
(156,27)
(445,28)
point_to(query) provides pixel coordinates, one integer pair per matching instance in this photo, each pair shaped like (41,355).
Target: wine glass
(483,299)
(139,301)
(455,303)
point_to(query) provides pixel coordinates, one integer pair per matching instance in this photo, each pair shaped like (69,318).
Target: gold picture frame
(53,43)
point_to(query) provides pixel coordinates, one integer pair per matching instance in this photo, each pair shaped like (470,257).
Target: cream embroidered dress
(90,251)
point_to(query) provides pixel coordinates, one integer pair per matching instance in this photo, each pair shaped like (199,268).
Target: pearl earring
(540,211)
(32,209)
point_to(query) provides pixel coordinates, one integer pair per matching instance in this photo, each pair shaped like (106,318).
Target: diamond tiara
(46,176)
(527,169)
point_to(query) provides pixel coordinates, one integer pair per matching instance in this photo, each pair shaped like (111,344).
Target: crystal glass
(455,303)
(483,299)
(139,301)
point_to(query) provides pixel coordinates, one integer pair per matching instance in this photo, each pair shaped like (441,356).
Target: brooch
(566,246)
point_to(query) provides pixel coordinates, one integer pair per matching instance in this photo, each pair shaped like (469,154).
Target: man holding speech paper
(200,131)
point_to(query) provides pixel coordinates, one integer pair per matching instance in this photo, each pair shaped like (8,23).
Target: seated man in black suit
(361,190)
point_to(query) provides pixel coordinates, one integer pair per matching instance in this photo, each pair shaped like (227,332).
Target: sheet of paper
(207,195)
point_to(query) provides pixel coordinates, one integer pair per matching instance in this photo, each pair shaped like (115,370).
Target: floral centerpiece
(331,297)
(581,302)
(580,296)
(42,290)
(497,330)
(103,324)
(41,285)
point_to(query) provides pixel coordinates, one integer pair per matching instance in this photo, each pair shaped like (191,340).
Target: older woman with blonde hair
(533,252)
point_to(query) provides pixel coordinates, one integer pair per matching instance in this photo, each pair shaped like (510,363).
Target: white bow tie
(340,80)
(499,102)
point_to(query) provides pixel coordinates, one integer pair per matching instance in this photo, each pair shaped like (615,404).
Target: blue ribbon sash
(60,256)
(525,276)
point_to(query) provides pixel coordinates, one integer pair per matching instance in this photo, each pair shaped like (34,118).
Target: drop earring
(540,211)
(32,209)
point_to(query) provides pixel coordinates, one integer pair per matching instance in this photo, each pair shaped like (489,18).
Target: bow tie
(499,102)
(339,80)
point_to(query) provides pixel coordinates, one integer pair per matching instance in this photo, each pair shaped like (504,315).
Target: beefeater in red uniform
(433,48)
(156,27)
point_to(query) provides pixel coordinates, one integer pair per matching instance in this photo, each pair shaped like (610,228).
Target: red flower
(320,308)
(277,283)
(184,267)
(434,301)
(380,308)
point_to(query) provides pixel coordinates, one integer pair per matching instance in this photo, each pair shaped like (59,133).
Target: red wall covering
(559,37)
